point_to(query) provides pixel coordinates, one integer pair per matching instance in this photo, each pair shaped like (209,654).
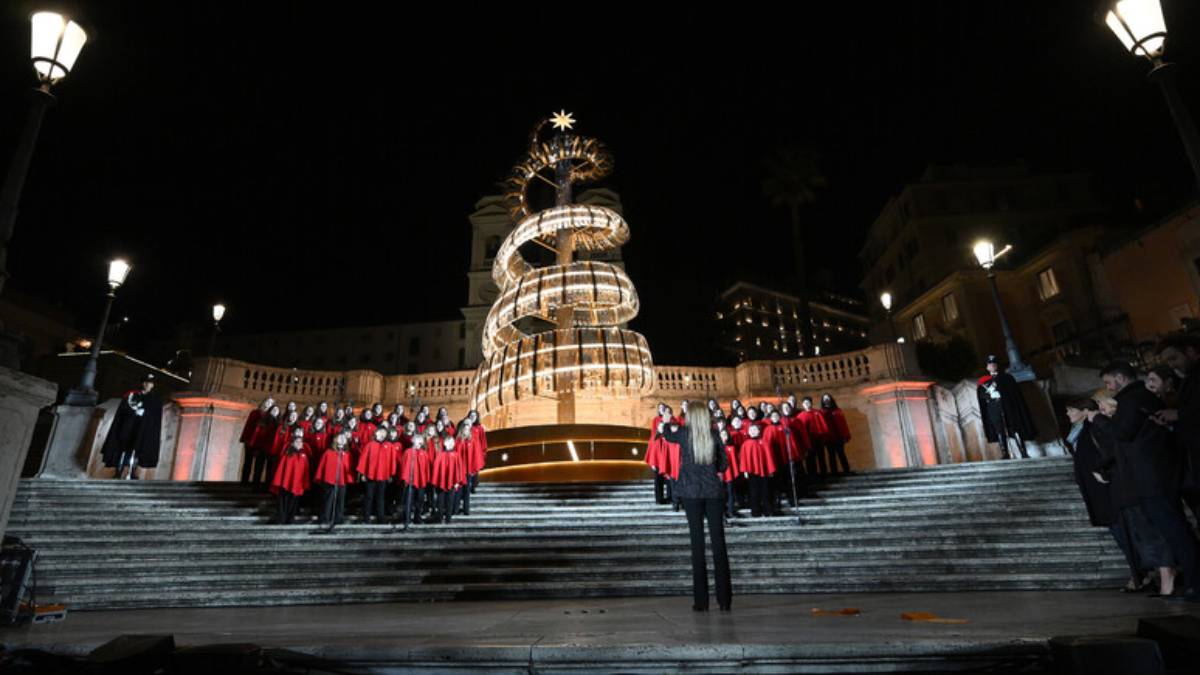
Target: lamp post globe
(54,45)
(1142,30)
(218,313)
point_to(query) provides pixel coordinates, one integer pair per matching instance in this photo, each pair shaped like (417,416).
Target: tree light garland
(556,329)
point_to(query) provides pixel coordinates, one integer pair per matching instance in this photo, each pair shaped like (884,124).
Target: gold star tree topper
(562,120)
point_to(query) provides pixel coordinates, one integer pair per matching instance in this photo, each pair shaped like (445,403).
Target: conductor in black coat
(1002,409)
(133,439)
(702,460)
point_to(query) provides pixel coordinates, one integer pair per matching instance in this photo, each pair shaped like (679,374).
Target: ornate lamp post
(1139,25)
(55,44)
(987,255)
(85,394)
(218,312)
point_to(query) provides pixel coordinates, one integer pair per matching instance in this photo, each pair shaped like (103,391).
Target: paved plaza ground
(763,633)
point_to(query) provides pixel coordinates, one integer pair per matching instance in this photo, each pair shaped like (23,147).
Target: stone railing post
(902,424)
(21,397)
(207,445)
(364,387)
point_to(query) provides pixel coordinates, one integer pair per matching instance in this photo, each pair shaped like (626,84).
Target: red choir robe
(799,435)
(368,429)
(657,447)
(449,470)
(250,426)
(292,474)
(415,467)
(376,461)
(318,441)
(305,424)
(814,424)
(756,458)
(334,468)
(283,437)
(358,438)
(263,438)
(772,437)
(478,448)
(838,431)
(731,466)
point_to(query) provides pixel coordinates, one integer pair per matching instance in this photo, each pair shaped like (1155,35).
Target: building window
(491,247)
(462,331)
(949,308)
(414,346)
(1047,284)
(918,327)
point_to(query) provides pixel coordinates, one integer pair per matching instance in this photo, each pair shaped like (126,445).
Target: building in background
(1153,275)
(925,234)
(1055,301)
(759,323)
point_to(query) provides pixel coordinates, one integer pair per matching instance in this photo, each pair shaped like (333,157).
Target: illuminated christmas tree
(555,330)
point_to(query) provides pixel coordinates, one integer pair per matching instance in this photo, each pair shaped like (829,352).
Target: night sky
(313,168)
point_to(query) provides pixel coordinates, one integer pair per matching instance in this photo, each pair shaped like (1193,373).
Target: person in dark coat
(1094,485)
(699,487)
(1003,410)
(1181,352)
(133,438)
(251,456)
(1146,481)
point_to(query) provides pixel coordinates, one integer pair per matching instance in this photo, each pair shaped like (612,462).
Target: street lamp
(218,313)
(55,43)
(85,394)
(1139,25)
(987,255)
(885,299)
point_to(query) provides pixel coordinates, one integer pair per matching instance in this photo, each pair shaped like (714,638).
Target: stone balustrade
(252,382)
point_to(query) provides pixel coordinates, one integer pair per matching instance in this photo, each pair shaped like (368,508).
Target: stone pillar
(754,379)
(207,445)
(902,424)
(364,387)
(69,451)
(21,397)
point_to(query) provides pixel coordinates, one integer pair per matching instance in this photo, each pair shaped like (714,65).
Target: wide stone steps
(986,526)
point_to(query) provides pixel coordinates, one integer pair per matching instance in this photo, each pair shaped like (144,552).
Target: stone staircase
(1017,525)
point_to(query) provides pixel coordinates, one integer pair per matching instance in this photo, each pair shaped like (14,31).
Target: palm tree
(793,180)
